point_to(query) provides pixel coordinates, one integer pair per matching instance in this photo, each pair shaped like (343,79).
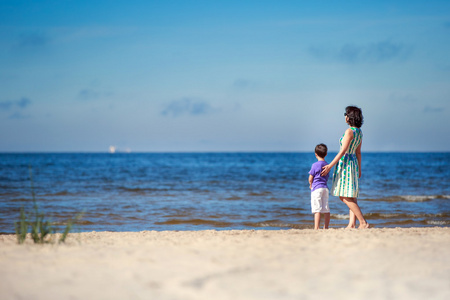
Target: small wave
(416,198)
(21,200)
(233,198)
(432,222)
(272,225)
(264,193)
(405,215)
(412,222)
(291,208)
(267,223)
(141,190)
(339,216)
(276,225)
(84,222)
(58,225)
(135,218)
(410,198)
(401,223)
(62,193)
(194,222)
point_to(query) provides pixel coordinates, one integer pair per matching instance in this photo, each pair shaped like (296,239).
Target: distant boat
(112,149)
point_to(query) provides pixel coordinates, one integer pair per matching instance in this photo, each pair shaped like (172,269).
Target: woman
(348,166)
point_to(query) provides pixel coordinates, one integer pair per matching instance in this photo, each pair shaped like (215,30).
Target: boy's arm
(310,179)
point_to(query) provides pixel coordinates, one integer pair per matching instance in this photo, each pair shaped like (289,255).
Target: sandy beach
(412,263)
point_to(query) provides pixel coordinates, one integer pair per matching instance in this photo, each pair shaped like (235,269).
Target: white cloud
(187,106)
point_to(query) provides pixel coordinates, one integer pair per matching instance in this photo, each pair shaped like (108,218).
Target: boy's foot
(350,227)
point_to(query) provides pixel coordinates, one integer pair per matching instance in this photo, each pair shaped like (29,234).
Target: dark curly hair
(355,116)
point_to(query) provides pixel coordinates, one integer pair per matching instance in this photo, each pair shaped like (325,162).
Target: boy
(319,188)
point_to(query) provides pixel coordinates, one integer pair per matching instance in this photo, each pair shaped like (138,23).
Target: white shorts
(319,201)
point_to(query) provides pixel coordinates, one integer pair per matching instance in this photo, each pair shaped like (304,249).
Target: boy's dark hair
(355,116)
(321,150)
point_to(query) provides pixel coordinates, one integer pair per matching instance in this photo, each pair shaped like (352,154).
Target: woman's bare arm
(348,137)
(358,156)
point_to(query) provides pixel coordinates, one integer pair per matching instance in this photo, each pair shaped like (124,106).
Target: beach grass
(38,224)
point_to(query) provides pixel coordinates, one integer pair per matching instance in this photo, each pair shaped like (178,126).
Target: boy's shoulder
(317,166)
(320,163)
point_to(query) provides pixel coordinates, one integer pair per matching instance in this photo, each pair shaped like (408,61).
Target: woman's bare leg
(353,206)
(352,220)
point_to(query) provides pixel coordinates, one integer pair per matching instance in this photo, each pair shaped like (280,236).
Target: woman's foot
(363,226)
(350,227)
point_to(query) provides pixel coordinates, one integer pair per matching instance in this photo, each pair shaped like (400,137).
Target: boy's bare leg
(316,220)
(352,221)
(353,206)
(327,220)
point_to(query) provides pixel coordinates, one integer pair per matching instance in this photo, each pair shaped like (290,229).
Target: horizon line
(205,152)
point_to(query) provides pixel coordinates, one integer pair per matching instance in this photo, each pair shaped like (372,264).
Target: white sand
(283,264)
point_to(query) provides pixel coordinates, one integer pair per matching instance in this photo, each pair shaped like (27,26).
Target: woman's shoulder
(354,129)
(357,130)
(349,131)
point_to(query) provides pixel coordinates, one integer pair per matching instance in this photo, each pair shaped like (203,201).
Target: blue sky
(222,75)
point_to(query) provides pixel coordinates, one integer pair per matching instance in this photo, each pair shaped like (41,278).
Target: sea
(214,191)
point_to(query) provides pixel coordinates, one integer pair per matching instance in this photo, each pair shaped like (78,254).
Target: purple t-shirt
(318,181)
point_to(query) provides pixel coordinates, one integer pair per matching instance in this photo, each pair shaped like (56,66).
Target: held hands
(325,170)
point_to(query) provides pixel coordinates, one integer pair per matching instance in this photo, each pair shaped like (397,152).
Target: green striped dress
(346,172)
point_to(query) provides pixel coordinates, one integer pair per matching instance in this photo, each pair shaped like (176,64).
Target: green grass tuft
(69,226)
(38,225)
(21,227)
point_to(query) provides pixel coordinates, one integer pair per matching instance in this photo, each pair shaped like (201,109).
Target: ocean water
(197,191)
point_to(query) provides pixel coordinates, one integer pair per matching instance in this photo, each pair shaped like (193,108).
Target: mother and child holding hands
(346,173)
